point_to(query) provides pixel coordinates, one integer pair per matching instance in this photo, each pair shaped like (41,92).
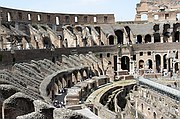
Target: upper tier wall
(15,15)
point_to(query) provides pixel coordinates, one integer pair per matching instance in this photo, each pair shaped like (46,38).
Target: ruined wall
(15,15)
(7,58)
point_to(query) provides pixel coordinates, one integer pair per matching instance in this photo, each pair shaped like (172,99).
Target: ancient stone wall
(15,15)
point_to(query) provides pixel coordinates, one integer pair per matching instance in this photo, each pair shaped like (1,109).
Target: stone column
(152,39)
(161,38)
(131,66)
(154,62)
(119,64)
(162,63)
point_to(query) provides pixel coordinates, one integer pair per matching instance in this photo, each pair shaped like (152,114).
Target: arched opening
(142,107)
(125,63)
(98,29)
(157,37)
(144,17)
(176,36)
(14,60)
(158,63)
(70,29)
(57,21)
(79,29)
(75,19)
(165,61)
(141,64)
(156,27)
(139,39)
(147,38)
(150,64)
(53,59)
(154,115)
(176,67)
(111,40)
(9,16)
(17,107)
(128,30)
(119,35)
(47,42)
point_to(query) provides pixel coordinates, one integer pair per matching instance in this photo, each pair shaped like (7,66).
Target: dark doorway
(125,63)
(176,36)
(139,39)
(157,37)
(150,64)
(165,61)
(111,40)
(158,63)
(115,63)
(119,35)
(148,38)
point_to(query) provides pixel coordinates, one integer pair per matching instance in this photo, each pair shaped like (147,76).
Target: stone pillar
(162,63)
(168,67)
(143,39)
(119,64)
(131,66)
(161,39)
(154,62)
(152,39)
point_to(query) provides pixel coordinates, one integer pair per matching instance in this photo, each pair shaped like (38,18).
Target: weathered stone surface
(67,114)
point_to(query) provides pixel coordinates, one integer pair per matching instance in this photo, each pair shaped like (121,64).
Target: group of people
(58,104)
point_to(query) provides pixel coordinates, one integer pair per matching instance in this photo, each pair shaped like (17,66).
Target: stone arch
(16,105)
(147,38)
(158,62)
(79,28)
(141,64)
(139,39)
(156,27)
(85,73)
(111,40)
(120,36)
(6,91)
(47,42)
(125,63)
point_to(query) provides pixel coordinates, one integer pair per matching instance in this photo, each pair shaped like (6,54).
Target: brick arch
(16,105)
